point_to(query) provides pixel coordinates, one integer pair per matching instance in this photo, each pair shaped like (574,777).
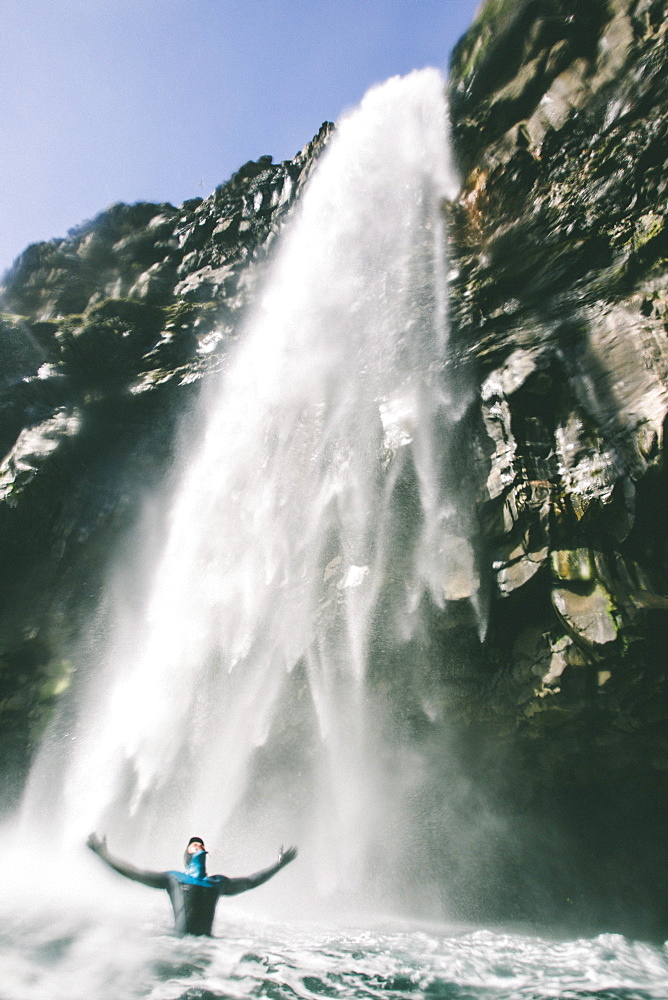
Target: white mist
(234,700)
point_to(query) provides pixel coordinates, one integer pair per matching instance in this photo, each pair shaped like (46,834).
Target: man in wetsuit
(193,893)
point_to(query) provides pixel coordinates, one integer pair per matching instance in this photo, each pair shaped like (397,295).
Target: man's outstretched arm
(156,880)
(233,886)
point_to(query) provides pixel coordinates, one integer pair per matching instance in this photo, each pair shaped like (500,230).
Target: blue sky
(161,100)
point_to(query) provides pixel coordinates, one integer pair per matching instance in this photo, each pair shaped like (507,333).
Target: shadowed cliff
(560,305)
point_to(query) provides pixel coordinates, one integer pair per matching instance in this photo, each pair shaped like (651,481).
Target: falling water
(294,526)
(310,524)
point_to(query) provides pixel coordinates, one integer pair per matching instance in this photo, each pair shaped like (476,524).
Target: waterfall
(253,690)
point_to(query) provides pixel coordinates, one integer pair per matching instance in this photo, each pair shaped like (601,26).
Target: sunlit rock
(518,563)
(572,564)
(33,448)
(590,616)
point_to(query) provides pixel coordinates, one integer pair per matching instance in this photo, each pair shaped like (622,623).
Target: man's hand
(285,857)
(99,846)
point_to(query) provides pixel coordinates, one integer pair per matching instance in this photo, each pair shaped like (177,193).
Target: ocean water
(59,957)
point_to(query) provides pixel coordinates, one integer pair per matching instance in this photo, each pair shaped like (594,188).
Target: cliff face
(559,308)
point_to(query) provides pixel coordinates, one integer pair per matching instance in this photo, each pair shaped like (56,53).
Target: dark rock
(559,119)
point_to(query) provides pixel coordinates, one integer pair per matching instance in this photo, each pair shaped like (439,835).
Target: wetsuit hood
(196,864)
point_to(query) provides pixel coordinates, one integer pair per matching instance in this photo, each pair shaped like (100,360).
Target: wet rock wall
(560,309)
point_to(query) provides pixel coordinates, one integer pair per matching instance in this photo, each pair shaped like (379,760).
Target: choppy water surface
(59,959)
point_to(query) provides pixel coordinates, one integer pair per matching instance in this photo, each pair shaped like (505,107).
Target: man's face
(196,846)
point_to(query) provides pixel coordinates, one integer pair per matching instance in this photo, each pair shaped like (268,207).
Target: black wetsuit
(193,893)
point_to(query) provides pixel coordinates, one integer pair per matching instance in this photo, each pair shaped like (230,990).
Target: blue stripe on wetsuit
(209,881)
